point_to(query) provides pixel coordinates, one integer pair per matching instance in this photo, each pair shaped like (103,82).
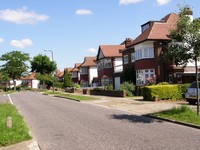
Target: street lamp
(52,67)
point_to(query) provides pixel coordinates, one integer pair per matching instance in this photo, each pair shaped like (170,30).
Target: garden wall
(108,93)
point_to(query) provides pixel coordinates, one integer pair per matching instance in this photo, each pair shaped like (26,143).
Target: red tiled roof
(68,69)
(159,30)
(76,67)
(88,61)
(59,73)
(111,50)
(31,76)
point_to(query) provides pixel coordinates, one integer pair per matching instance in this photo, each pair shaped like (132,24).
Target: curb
(67,98)
(173,121)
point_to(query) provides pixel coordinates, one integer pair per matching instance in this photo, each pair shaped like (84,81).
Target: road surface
(60,124)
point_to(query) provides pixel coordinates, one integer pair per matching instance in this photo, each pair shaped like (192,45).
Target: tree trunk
(14,83)
(197,81)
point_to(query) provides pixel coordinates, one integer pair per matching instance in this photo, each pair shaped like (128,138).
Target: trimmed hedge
(172,92)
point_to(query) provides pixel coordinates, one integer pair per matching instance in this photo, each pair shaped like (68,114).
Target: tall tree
(185,42)
(42,64)
(67,79)
(15,64)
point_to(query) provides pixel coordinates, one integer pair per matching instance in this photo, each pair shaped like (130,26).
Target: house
(88,71)
(59,74)
(109,62)
(30,81)
(75,73)
(144,54)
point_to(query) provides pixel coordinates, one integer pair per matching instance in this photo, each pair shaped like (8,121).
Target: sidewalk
(135,105)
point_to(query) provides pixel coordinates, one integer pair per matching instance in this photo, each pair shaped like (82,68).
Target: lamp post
(52,67)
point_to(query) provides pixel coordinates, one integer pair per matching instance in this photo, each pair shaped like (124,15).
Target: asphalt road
(60,124)
(4,98)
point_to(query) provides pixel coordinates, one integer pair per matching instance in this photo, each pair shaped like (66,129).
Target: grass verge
(19,130)
(181,114)
(70,96)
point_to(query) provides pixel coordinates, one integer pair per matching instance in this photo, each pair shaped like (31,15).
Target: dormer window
(145,26)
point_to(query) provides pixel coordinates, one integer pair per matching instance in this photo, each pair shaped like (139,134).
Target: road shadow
(134,118)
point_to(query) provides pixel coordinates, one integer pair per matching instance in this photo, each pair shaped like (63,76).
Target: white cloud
(162,2)
(1,40)
(92,50)
(22,43)
(22,16)
(126,2)
(83,12)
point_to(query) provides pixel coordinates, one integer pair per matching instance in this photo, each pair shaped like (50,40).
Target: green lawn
(70,96)
(182,114)
(19,130)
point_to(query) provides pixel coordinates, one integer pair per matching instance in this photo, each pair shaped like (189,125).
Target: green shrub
(97,89)
(76,86)
(109,87)
(172,92)
(163,83)
(128,87)
(183,88)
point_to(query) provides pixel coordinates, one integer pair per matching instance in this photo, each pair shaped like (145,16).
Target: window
(147,52)
(83,70)
(144,27)
(125,59)
(143,76)
(74,75)
(132,57)
(106,81)
(107,63)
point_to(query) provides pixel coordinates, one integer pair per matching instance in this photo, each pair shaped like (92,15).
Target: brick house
(75,73)
(88,71)
(109,62)
(144,54)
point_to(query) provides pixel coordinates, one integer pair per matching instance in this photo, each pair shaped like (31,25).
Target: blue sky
(73,29)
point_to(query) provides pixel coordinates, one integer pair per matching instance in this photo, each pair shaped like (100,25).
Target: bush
(109,87)
(172,92)
(183,88)
(128,87)
(97,89)
(163,83)
(76,86)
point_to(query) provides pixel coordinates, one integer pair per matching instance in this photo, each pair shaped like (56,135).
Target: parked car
(191,93)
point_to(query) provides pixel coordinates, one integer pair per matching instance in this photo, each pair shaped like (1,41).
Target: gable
(100,54)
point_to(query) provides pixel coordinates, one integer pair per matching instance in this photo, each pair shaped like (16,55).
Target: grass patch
(75,97)
(70,96)
(182,114)
(19,130)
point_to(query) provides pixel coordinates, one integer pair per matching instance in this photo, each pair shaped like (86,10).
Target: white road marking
(10,99)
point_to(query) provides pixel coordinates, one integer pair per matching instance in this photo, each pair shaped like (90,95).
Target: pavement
(134,105)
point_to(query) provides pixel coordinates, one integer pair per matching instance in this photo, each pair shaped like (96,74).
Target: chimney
(188,12)
(128,41)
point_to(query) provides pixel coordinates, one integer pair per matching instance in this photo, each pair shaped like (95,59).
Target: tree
(15,64)
(42,64)
(185,42)
(46,79)
(67,79)
(4,79)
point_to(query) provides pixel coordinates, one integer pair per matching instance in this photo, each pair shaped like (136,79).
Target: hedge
(172,92)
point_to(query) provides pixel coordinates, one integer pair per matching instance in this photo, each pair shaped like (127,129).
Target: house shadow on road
(134,118)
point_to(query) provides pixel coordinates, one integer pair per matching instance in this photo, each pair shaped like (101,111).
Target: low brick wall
(108,93)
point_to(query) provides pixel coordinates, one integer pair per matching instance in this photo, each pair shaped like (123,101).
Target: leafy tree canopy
(15,64)
(42,64)
(185,39)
